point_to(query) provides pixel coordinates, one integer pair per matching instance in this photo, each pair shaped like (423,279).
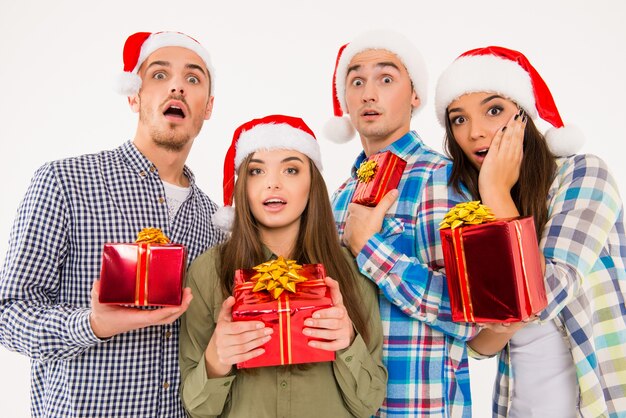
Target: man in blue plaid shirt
(381,80)
(90,359)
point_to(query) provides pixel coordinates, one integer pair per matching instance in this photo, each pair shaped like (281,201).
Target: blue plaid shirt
(70,210)
(425,352)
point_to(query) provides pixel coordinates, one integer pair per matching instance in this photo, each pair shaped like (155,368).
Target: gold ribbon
(467,213)
(366,171)
(276,276)
(145,238)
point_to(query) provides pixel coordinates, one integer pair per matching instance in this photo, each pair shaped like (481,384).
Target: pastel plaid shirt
(584,244)
(70,210)
(424,351)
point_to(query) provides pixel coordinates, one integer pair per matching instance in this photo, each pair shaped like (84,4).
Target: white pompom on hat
(510,74)
(140,45)
(339,129)
(267,133)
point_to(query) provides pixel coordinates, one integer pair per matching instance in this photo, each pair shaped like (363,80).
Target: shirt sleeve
(583,211)
(31,322)
(201,396)
(416,283)
(359,369)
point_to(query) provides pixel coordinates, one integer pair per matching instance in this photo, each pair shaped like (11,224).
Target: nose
(369,93)
(477,131)
(177,89)
(272,182)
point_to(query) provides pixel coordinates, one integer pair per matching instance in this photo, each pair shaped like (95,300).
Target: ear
(134,102)
(209,108)
(415,101)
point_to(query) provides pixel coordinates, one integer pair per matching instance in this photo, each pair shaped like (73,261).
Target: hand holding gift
(377,175)
(493,266)
(283,294)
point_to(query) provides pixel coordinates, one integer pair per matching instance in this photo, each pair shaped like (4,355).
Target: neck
(168,162)
(281,241)
(372,144)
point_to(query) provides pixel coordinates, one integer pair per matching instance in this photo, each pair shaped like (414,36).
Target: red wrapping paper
(493,271)
(142,274)
(286,315)
(387,176)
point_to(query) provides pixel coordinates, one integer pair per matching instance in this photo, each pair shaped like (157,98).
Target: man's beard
(170,141)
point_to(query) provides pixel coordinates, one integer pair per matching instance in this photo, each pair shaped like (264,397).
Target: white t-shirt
(175,196)
(544,375)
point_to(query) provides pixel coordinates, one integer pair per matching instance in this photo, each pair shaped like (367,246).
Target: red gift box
(285,315)
(376,176)
(142,274)
(493,271)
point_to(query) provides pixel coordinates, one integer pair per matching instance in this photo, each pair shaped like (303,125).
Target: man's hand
(109,320)
(362,222)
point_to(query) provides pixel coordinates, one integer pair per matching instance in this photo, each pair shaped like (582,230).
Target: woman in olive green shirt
(282,210)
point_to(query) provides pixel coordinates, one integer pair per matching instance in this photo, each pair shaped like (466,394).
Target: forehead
(175,55)
(278,154)
(478,98)
(373,57)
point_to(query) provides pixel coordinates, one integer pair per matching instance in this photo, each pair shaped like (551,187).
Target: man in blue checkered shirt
(381,80)
(90,359)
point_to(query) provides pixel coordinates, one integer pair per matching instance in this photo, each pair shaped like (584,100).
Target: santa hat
(509,73)
(140,45)
(339,129)
(270,132)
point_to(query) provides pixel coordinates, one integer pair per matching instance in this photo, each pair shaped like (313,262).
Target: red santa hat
(509,73)
(339,129)
(140,45)
(270,132)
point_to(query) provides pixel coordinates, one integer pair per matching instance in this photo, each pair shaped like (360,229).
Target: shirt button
(161,200)
(142,173)
(369,269)
(283,384)
(349,359)
(226,383)
(166,385)
(168,334)
(152,169)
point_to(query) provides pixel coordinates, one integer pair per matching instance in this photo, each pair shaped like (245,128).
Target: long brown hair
(317,242)
(536,174)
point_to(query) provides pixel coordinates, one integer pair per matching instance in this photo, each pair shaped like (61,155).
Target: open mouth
(274,202)
(370,113)
(174,111)
(482,152)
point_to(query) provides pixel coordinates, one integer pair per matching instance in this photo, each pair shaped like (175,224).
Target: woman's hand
(233,342)
(331,324)
(501,168)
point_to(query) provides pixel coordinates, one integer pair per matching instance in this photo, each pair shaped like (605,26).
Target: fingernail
(504,129)
(524,119)
(306,331)
(516,116)
(259,326)
(268,331)
(521,112)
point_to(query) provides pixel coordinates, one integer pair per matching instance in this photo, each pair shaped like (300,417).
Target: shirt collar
(144,167)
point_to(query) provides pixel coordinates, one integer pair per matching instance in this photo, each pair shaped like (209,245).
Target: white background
(58,60)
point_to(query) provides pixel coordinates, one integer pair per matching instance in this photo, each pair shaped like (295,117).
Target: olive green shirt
(352,385)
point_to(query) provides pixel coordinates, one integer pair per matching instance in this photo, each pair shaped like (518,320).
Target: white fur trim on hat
(223,218)
(392,42)
(339,129)
(128,85)
(471,74)
(277,136)
(565,141)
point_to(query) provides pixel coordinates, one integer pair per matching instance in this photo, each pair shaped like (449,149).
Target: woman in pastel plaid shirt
(572,361)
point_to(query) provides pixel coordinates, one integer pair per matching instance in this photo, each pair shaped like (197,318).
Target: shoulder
(582,165)
(207,261)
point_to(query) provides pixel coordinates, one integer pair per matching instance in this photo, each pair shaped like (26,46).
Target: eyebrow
(167,64)
(378,64)
(286,160)
(482,102)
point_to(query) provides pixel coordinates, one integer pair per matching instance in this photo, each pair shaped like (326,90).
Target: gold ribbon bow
(366,171)
(152,236)
(467,213)
(276,276)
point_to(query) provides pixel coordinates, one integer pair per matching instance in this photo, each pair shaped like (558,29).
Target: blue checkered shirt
(425,352)
(72,207)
